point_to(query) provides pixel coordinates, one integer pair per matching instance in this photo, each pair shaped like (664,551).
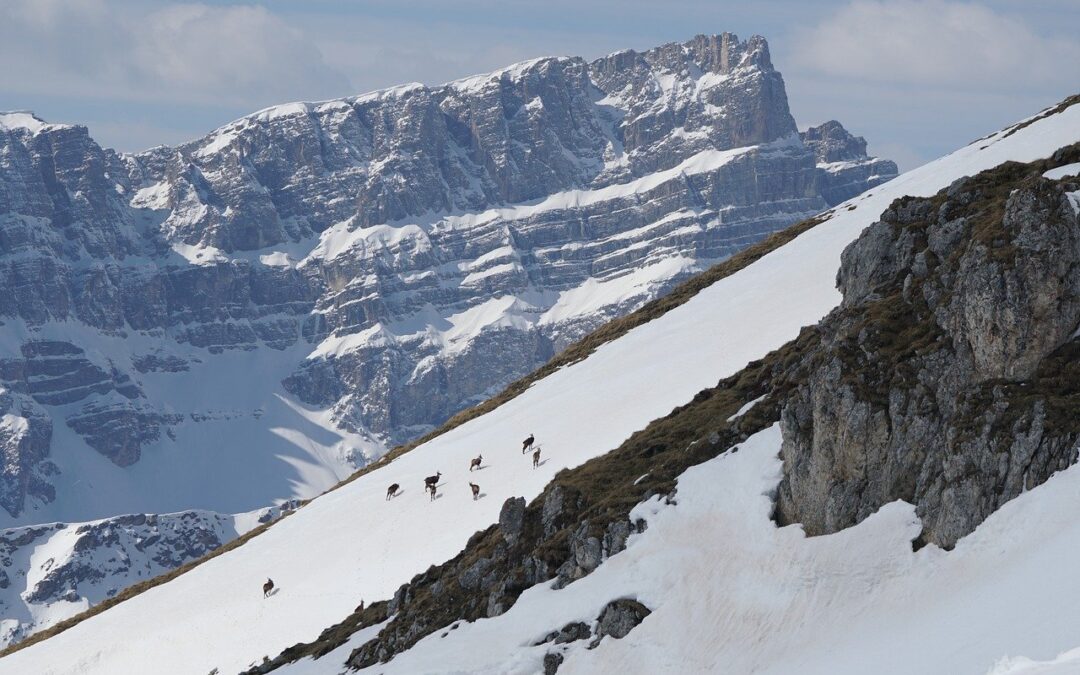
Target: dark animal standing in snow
(268,586)
(526,444)
(536,457)
(432,480)
(392,491)
(432,488)
(475,463)
(475,491)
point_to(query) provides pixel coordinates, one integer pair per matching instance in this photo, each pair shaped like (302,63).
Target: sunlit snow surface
(852,597)
(16,121)
(732,593)
(1062,171)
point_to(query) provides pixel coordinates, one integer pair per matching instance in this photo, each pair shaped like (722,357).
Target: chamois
(475,491)
(432,480)
(268,586)
(475,463)
(536,457)
(527,443)
(391,491)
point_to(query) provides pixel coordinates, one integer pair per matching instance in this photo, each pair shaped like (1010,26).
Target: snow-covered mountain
(700,577)
(250,316)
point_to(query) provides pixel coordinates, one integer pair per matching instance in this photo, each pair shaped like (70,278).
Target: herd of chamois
(431,485)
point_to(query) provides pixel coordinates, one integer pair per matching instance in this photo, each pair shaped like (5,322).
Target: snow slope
(226,446)
(49,573)
(351,543)
(859,601)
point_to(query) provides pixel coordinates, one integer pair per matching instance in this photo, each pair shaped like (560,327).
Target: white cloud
(188,53)
(936,43)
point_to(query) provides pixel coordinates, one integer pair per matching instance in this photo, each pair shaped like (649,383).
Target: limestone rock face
(944,377)
(372,264)
(619,617)
(844,169)
(25,435)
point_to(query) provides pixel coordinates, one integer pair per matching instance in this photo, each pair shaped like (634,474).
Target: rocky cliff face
(947,376)
(25,435)
(385,260)
(844,170)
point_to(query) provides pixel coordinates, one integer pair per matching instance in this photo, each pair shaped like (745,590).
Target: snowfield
(41,564)
(747,596)
(226,450)
(732,593)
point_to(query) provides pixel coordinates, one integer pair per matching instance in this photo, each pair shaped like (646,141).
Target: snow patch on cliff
(24,121)
(1062,171)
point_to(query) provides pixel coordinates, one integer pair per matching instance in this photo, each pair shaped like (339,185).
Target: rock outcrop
(25,435)
(947,377)
(618,618)
(844,170)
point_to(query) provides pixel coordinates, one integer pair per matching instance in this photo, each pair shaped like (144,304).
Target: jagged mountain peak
(512,135)
(717,52)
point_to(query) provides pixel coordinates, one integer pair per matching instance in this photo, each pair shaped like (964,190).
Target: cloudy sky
(916,77)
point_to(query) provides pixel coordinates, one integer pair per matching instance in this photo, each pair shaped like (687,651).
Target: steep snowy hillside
(726,591)
(50,572)
(940,381)
(250,316)
(337,550)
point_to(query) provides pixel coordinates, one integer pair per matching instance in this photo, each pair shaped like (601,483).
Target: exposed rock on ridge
(947,378)
(843,167)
